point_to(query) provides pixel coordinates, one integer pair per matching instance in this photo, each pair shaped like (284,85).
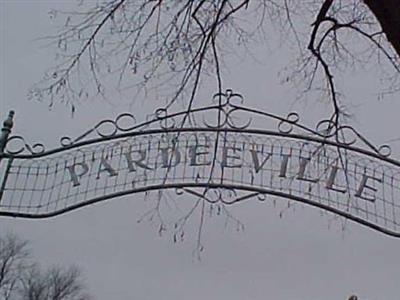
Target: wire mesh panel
(217,153)
(343,181)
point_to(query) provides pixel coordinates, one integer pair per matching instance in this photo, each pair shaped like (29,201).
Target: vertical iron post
(6,130)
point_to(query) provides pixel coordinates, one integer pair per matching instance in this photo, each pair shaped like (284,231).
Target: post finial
(8,123)
(6,130)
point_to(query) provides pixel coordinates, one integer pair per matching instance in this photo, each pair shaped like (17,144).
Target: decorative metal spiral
(17,145)
(228,113)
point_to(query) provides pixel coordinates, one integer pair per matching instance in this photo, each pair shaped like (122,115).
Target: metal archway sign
(333,168)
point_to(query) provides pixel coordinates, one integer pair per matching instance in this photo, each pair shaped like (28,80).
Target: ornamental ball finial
(8,123)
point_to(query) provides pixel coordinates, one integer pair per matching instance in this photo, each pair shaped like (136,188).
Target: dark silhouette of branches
(13,255)
(138,43)
(329,49)
(21,279)
(172,45)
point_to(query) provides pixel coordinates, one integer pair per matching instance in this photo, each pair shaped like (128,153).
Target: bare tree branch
(170,46)
(20,279)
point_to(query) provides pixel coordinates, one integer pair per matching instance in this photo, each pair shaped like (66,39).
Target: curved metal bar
(289,128)
(325,130)
(257,190)
(331,131)
(201,129)
(160,116)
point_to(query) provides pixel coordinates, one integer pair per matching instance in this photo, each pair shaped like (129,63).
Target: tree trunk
(388,14)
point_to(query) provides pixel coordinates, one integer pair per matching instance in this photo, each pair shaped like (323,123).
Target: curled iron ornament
(24,147)
(104,129)
(119,122)
(228,108)
(231,122)
(286,125)
(166,121)
(328,129)
(229,97)
(385,150)
(222,120)
(160,130)
(221,195)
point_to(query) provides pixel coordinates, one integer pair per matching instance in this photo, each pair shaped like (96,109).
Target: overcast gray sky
(302,255)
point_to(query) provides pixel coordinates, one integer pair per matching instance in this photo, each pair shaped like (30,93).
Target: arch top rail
(223,154)
(223,114)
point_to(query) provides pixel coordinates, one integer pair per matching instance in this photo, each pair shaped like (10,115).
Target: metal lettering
(105,166)
(331,180)
(193,155)
(363,185)
(139,162)
(73,172)
(256,161)
(167,160)
(284,165)
(226,156)
(302,170)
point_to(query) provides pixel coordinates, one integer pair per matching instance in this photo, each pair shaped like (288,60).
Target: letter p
(76,171)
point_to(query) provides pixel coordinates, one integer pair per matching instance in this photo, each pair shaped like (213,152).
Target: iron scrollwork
(227,107)
(172,151)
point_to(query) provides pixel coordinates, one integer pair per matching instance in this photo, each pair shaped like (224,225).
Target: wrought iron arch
(234,159)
